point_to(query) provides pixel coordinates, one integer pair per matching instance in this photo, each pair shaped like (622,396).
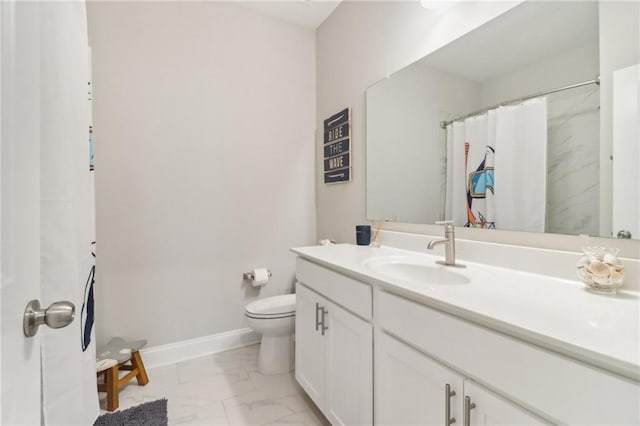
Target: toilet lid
(273,306)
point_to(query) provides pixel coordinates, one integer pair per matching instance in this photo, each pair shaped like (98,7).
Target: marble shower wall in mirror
(532,48)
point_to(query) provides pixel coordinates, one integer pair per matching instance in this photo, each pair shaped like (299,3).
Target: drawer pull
(448,393)
(318,323)
(468,406)
(324,327)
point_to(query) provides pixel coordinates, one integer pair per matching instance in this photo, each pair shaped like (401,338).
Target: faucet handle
(448,225)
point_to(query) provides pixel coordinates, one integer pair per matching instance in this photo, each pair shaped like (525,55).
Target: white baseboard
(201,346)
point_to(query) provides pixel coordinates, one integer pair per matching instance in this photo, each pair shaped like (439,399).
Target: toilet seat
(272,307)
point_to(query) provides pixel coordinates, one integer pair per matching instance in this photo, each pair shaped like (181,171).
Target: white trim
(2,29)
(201,346)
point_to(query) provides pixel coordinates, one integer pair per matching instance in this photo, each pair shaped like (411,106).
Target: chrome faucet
(449,240)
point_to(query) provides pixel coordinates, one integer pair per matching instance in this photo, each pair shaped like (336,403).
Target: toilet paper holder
(250,277)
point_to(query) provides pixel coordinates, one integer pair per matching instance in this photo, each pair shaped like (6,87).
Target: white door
(310,365)
(20,209)
(45,210)
(493,410)
(349,368)
(626,153)
(411,388)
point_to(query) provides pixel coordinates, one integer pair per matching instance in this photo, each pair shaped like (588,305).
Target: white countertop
(560,315)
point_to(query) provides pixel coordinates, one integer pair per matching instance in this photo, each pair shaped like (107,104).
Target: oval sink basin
(416,271)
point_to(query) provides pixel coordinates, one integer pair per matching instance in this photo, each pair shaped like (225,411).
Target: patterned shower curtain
(69,395)
(496,168)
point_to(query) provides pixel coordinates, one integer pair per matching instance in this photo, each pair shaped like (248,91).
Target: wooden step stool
(119,355)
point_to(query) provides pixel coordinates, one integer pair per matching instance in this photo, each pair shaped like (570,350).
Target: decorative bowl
(600,269)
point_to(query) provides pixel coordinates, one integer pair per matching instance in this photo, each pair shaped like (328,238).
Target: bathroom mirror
(573,171)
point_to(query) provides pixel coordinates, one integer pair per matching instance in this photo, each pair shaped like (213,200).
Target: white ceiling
(305,13)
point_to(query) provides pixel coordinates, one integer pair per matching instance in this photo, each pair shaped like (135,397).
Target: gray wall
(204,129)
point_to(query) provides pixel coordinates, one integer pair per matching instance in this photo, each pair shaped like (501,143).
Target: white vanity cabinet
(532,381)
(412,388)
(419,343)
(334,346)
(310,344)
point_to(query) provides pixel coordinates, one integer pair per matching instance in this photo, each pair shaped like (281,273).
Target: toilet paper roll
(260,277)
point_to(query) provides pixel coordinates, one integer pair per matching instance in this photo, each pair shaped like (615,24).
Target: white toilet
(274,317)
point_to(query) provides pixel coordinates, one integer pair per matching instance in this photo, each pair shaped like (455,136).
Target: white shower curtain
(496,168)
(69,395)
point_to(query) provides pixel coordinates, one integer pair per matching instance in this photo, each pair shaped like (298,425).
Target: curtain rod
(444,124)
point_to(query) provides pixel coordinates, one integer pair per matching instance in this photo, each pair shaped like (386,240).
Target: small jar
(600,269)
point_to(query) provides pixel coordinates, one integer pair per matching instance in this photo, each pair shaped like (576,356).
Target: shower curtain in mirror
(496,168)
(69,394)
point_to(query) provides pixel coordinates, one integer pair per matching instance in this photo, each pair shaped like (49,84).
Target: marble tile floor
(224,389)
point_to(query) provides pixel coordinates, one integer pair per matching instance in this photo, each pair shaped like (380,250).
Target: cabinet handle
(448,393)
(324,327)
(318,315)
(468,406)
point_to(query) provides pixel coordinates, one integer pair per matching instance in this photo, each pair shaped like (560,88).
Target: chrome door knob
(57,315)
(624,234)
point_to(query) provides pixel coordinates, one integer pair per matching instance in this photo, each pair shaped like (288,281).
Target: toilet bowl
(274,317)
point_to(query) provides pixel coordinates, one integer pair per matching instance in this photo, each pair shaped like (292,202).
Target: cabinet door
(310,356)
(410,387)
(349,346)
(491,409)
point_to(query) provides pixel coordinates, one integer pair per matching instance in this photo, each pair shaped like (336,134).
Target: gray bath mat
(152,413)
